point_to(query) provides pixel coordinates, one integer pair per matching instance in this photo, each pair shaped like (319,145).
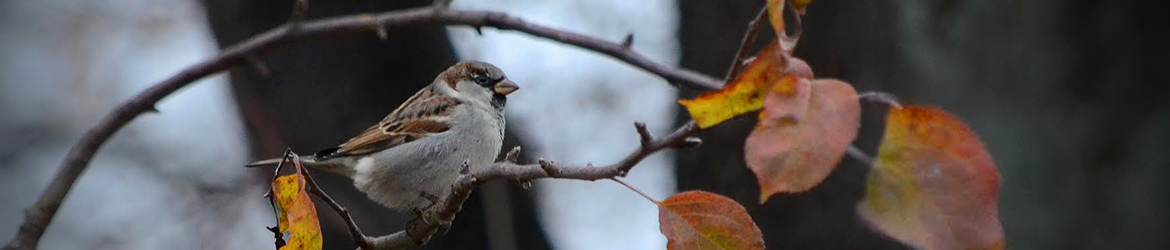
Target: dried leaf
(776,16)
(703,220)
(933,185)
(744,94)
(802,134)
(296,214)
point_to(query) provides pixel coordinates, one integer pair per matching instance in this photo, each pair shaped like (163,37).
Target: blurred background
(1068,96)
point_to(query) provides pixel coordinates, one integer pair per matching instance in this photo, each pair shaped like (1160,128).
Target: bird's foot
(424,215)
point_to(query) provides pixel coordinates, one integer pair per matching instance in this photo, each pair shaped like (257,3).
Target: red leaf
(933,185)
(802,134)
(703,220)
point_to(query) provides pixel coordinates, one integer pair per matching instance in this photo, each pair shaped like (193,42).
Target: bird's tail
(264,163)
(340,166)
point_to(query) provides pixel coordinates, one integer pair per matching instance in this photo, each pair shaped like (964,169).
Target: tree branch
(38,217)
(355,233)
(419,233)
(676,77)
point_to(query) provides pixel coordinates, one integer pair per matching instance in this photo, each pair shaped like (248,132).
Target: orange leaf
(703,220)
(744,94)
(802,134)
(296,213)
(933,185)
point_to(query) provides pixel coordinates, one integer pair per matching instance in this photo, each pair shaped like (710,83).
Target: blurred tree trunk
(1070,98)
(317,95)
(1067,95)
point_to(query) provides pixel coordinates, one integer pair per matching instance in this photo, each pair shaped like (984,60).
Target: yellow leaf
(744,94)
(933,185)
(296,214)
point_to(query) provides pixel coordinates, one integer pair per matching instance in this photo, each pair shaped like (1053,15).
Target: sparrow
(410,158)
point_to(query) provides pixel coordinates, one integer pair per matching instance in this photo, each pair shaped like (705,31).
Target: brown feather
(421,115)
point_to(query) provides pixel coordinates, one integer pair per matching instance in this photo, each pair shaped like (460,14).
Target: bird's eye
(482,80)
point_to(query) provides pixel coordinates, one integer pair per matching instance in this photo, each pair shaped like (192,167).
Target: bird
(413,156)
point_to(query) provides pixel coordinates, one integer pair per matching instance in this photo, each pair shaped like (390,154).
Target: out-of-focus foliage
(933,185)
(802,134)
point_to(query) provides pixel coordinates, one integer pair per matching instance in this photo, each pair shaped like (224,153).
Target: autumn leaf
(933,185)
(703,220)
(776,17)
(802,134)
(296,214)
(744,94)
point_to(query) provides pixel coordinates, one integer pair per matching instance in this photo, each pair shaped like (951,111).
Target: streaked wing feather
(423,114)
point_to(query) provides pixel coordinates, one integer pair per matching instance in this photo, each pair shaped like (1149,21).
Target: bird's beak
(505,87)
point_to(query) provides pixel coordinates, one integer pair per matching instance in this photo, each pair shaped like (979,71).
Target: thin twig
(355,233)
(643,133)
(276,172)
(628,41)
(300,11)
(748,38)
(279,241)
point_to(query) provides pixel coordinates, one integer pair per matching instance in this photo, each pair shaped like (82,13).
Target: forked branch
(419,233)
(39,216)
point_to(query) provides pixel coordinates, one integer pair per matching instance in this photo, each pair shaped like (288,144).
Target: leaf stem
(860,156)
(748,38)
(635,190)
(882,97)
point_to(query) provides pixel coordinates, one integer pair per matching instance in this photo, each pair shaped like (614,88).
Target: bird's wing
(423,114)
